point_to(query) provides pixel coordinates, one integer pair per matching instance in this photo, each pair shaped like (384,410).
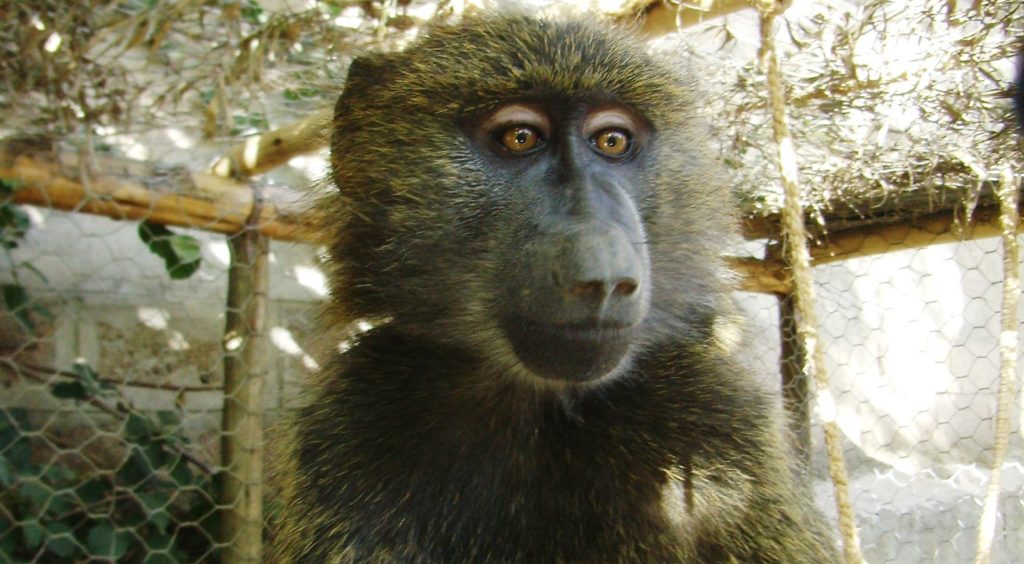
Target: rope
(798,257)
(1008,221)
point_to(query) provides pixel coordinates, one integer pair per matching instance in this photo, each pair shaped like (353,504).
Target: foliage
(14,224)
(45,49)
(153,507)
(68,64)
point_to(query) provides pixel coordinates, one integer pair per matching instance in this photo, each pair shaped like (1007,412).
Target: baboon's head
(535,192)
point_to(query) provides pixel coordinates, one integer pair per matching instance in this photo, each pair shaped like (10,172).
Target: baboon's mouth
(575,352)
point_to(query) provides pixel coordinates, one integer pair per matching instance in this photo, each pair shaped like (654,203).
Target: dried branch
(263,152)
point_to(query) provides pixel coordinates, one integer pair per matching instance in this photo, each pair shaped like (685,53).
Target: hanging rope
(795,237)
(1009,218)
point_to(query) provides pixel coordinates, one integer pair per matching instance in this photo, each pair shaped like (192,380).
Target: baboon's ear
(367,75)
(364,75)
(368,70)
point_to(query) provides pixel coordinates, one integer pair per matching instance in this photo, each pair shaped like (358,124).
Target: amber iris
(520,139)
(611,142)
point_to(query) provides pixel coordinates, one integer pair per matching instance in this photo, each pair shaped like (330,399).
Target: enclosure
(161,278)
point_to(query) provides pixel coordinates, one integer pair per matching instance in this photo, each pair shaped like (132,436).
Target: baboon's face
(577,282)
(533,193)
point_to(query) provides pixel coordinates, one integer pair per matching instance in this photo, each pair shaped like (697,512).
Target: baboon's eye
(612,142)
(521,139)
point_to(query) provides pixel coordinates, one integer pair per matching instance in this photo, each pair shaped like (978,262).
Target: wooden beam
(914,233)
(771,275)
(766,276)
(195,200)
(208,202)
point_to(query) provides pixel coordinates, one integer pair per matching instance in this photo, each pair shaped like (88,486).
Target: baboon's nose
(579,299)
(598,272)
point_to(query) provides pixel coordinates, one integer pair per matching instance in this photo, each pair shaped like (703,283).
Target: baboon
(533,207)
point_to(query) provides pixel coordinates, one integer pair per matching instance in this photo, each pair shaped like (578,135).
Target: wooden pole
(241,477)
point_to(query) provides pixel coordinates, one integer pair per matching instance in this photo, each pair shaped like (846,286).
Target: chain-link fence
(112,416)
(911,340)
(141,374)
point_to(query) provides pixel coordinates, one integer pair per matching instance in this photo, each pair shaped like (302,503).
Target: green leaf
(181,253)
(94,490)
(19,303)
(184,270)
(187,248)
(58,527)
(37,495)
(6,472)
(9,542)
(161,519)
(19,454)
(252,11)
(100,540)
(206,96)
(32,534)
(181,473)
(153,501)
(63,546)
(104,541)
(8,546)
(135,469)
(69,390)
(255,121)
(168,418)
(60,541)
(85,372)
(60,503)
(59,476)
(36,271)
(41,311)
(9,185)
(137,428)
(14,223)
(123,540)
(155,453)
(88,377)
(331,8)
(297,95)
(159,541)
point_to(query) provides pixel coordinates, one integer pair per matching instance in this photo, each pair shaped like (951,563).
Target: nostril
(593,288)
(599,289)
(625,287)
